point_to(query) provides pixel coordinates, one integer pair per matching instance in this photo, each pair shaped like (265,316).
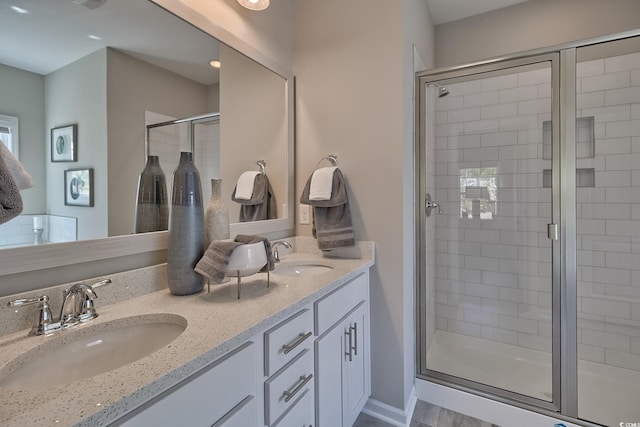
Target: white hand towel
(244,188)
(322,184)
(21,177)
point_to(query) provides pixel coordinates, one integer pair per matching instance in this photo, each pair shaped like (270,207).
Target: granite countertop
(216,323)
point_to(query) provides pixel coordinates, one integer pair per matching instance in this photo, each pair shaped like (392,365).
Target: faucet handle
(43,322)
(85,294)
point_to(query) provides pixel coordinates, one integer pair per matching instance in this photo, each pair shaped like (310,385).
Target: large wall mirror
(89,83)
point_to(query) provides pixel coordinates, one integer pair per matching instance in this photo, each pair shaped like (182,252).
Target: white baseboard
(482,408)
(391,414)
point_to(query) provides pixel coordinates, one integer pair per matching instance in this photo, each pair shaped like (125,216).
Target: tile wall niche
(493,275)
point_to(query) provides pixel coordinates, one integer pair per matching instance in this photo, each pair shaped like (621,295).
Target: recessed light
(19,9)
(214,63)
(255,4)
(93,37)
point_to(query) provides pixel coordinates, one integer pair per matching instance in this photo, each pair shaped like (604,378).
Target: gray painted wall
(23,97)
(531,25)
(355,99)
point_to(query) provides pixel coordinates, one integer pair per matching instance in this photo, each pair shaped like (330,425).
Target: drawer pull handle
(288,395)
(301,337)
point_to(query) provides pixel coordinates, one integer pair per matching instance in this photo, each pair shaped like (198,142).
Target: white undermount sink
(90,350)
(301,268)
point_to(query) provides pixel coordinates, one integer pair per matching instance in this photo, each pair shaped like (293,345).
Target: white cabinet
(342,357)
(221,394)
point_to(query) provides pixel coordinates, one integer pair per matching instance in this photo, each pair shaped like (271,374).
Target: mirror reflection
(133,81)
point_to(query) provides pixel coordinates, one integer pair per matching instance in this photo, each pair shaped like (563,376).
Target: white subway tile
(464,328)
(442,117)
(591,226)
(622,195)
(451,102)
(613,146)
(464,301)
(623,260)
(499,335)
(518,238)
(478,317)
(631,293)
(534,342)
(606,81)
(530,121)
(623,327)
(499,139)
(529,268)
(545,299)
(622,228)
(591,258)
(635,77)
(524,93)
(605,211)
(449,311)
(449,129)
(622,129)
(605,307)
(465,88)
(499,82)
(535,106)
(479,154)
(499,279)
(499,110)
(606,340)
(481,99)
(519,325)
(469,141)
(622,359)
(590,68)
(622,96)
(544,90)
(627,62)
(531,253)
(635,345)
(591,353)
(441,323)
(635,310)
(612,113)
(481,126)
(524,151)
(463,115)
(518,296)
(480,290)
(542,75)
(499,251)
(534,282)
(590,100)
(605,275)
(481,263)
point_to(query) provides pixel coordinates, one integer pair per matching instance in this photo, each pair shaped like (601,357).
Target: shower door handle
(428,205)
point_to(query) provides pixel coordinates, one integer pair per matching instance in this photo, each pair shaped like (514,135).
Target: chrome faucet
(274,249)
(77,307)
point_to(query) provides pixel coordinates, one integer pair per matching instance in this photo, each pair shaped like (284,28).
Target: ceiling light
(214,63)
(89,4)
(93,37)
(19,9)
(255,4)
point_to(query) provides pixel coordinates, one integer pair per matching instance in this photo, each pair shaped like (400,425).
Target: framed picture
(78,187)
(64,144)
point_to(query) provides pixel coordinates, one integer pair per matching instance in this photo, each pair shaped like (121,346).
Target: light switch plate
(305,214)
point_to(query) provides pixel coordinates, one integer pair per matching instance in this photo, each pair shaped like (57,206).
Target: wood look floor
(428,415)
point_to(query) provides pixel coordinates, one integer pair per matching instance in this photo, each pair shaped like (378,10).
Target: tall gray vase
(186,229)
(152,207)
(216,215)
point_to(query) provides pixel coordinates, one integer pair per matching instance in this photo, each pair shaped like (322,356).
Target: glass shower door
(489,276)
(608,231)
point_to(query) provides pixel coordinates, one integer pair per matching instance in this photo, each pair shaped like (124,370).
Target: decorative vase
(216,215)
(186,229)
(152,209)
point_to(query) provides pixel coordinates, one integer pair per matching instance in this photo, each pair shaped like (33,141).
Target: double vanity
(295,353)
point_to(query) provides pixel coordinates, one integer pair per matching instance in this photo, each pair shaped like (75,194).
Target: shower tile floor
(428,415)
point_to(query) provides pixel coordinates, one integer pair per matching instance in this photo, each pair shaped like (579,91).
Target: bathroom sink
(90,350)
(301,268)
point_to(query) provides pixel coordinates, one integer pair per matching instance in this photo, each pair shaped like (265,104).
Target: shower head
(442,90)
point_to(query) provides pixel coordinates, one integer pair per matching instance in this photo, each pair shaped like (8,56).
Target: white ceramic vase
(216,215)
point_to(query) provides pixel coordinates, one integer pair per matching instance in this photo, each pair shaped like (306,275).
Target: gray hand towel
(215,260)
(20,176)
(262,205)
(332,226)
(10,199)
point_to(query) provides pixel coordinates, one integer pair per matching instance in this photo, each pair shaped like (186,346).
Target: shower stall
(528,190)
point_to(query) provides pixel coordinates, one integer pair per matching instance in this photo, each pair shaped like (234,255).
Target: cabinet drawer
(206,396)
(243,415)
(286,340)
(287,385)
(333,307)
(301,415)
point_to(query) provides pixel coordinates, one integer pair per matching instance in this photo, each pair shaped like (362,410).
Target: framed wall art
(64,144)
(78,187)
